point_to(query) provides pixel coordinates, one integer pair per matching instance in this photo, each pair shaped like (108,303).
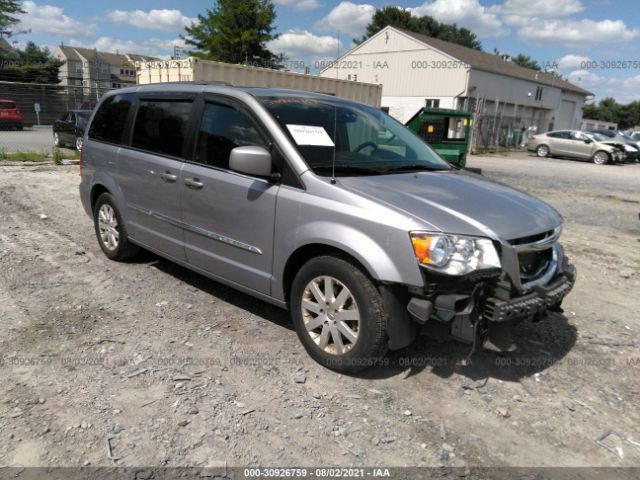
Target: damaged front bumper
(482,308)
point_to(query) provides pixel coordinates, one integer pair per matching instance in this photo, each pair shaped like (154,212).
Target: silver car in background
(574,144)
(322,206)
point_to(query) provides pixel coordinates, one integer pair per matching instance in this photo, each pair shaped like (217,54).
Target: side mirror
(252,160)
(587,140)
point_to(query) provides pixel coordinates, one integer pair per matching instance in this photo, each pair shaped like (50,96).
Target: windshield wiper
(348,169)
(414,167)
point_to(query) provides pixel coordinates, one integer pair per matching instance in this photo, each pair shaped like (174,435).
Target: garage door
(567,110)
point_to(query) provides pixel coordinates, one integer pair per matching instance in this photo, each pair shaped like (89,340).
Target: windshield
(625,136)
(598,137)
(367,141)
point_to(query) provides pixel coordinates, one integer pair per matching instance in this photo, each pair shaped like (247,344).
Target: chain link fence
(29,110)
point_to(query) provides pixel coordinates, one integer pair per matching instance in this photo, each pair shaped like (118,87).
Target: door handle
(168,177)
(194,183)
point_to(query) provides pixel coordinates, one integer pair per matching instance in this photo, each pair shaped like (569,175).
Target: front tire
(601,158)
(110,230)
(338,314)
(542,151)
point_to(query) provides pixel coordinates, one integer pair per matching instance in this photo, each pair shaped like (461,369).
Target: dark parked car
(10,115)
(69,128)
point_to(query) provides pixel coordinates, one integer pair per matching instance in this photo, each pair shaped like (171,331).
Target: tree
(8,11)
(426,25)
(608,110)
(31,65)
(235,31)
(526,61)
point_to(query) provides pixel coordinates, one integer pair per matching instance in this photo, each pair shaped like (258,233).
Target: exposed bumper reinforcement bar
(532,304)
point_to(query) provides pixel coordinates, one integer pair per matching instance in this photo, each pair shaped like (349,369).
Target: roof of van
(220,87)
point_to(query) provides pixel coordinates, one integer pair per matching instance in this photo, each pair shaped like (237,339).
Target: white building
(95,71)
(416,70)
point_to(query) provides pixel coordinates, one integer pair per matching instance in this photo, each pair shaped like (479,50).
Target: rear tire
(601,158)
(542,151)
(338,314)
(111,231)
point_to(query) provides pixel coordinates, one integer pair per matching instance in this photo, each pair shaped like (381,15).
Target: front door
(228,216)
(579,148)
(149,174)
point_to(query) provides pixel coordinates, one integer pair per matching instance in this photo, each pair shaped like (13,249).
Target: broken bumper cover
(541,299)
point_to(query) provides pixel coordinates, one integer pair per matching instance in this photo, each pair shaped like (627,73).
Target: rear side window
(109,121)
(564,135)
(161,126)
(222,129)
(7,105)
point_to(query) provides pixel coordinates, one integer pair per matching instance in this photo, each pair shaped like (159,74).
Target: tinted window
(108,123)
(7,105)
(161,126)
(222,129)
(565,135)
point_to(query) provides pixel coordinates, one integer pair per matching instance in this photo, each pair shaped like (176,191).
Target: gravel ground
(178,370)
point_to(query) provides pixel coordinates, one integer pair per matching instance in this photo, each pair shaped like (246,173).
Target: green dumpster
(446,131)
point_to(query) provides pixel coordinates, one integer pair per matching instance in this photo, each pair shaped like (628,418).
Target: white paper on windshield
(310,135)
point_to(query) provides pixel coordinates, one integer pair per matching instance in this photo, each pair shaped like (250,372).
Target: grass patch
(24,156)
(56,155)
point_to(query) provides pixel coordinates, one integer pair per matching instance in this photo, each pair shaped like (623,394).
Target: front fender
(390,262)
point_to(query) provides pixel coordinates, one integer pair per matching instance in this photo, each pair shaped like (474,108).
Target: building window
(78,66)
(539,93)
(432,103)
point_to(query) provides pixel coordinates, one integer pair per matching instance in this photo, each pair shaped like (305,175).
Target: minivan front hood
(459,202)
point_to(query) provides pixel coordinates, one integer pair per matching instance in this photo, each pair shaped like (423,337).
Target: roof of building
(6,46)
(119,59)
(493,63)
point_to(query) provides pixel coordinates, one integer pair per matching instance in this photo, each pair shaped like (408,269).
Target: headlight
(454,254)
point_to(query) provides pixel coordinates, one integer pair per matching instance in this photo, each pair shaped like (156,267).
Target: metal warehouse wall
(194,69)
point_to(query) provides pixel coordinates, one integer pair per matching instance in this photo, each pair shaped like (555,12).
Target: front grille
(537,257)
(531,238)
(534,264)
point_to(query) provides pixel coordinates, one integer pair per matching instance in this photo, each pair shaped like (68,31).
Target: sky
(593,43)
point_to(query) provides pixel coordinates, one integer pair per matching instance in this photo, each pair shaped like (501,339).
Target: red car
(10,115)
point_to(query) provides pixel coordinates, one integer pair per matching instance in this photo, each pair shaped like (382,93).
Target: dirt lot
(179,370)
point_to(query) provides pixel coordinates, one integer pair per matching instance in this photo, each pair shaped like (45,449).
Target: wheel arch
(97,190)
(309,251)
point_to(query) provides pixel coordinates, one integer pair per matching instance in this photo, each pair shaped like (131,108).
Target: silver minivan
(322,206)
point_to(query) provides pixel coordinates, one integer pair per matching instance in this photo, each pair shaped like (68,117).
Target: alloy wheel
(108,226)
(542,151)
(600,158)
(330,314)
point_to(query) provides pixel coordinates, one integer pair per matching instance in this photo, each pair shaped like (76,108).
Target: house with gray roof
(417,71)
(95,72)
